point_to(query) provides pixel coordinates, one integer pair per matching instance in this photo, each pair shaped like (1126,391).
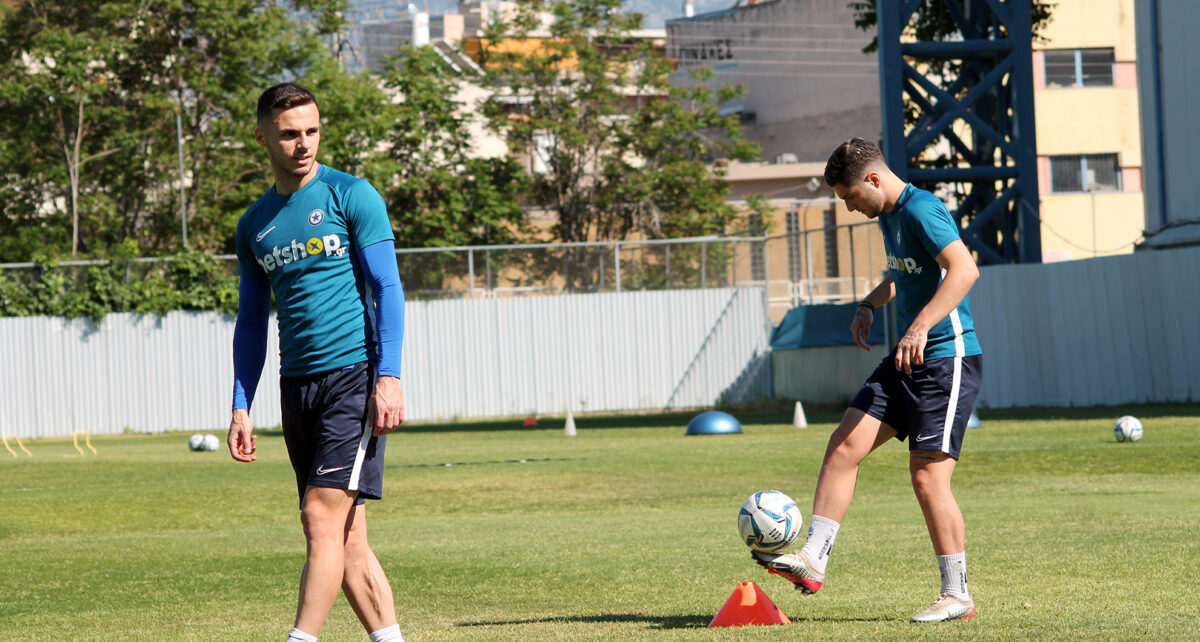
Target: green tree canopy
(619,150)
(90,92)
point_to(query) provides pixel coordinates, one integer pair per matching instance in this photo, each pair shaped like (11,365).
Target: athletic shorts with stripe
(930,407)
(325,428)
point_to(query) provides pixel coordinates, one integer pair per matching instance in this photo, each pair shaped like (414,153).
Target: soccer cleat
(793,567)
(947,607)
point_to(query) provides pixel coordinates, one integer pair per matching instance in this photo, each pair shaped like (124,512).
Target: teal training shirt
(306,245)
(914,234)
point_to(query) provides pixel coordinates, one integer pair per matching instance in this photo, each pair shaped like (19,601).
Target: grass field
(625,532)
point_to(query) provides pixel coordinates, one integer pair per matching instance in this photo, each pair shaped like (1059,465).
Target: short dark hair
(851,161)
(282,96)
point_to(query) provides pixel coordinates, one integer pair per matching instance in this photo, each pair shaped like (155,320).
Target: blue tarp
(808,326)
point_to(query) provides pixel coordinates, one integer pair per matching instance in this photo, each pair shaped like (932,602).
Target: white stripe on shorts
(956,379)
(360,457)
(952,404)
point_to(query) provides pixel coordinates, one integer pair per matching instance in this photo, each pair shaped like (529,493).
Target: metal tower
(981,119)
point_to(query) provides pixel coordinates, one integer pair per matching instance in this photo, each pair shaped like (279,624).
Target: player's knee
(843,454)
(321,524)
(927,483)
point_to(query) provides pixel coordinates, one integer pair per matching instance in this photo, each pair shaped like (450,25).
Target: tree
(617,150)
(444,194)
(63,82)
(93,88)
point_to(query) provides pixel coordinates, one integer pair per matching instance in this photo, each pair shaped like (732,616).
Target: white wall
(462,359)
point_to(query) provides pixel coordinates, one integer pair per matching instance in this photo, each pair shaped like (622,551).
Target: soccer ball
(769,521)
(203,443)
(1127,428)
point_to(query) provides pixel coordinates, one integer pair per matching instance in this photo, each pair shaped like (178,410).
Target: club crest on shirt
(315,217)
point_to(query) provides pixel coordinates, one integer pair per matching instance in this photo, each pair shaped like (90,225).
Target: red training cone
(749,605)
(530,421)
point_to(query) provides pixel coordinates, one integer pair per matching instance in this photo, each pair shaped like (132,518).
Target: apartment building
(1088,130)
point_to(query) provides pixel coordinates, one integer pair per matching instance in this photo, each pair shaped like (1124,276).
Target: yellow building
(1088,130)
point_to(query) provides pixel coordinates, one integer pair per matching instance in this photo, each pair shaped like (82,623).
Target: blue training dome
(714,422)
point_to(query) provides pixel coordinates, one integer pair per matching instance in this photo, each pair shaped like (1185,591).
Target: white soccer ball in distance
(769,521)
(211,443)
(196,443)
(1127,428)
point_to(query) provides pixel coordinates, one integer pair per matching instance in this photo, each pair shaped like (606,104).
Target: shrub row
(185,281)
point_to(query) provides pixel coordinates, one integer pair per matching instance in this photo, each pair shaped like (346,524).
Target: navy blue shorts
(325,428)
(930,407)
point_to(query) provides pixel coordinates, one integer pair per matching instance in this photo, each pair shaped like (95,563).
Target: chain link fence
(834,264)
(823,264)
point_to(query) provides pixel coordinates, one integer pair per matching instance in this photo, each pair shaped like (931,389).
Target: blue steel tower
(982,118)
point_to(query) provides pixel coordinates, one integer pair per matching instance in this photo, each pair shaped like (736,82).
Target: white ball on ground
(1127,428)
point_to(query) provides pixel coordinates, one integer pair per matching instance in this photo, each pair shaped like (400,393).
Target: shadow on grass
(653,621)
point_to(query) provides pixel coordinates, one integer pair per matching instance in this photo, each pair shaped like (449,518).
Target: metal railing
(828,264)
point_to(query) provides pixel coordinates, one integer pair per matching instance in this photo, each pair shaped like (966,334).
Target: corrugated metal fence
(1104,331)
(462,359)
(1101,331)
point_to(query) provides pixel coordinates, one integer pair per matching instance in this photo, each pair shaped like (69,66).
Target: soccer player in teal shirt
(321,243)
(923,391)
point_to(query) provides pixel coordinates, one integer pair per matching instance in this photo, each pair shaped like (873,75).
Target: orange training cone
(530,421)
(749,605)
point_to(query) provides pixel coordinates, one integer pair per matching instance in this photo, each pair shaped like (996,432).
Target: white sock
(300,636)
(821,534)
(954,575)
(390,634)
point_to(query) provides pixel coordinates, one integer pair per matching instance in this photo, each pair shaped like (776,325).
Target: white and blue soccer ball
(769,521)
(1127,428)
(203,443)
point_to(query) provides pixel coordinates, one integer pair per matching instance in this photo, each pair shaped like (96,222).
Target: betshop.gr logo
(329,245)
(905,264)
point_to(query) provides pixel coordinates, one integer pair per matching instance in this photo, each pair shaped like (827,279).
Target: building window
(795,267)
(1078,67)
(1085,173)
(758,270)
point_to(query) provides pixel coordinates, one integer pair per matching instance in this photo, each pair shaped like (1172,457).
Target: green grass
(625,532)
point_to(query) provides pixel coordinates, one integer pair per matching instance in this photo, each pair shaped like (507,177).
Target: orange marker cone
(530,421)
(749,605)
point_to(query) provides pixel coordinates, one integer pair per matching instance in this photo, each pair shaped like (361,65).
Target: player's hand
(385,409)
(911,349)
(242,441)
(860,327)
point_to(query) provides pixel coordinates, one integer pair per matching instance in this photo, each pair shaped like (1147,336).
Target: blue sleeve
(250,339)
(379,264)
